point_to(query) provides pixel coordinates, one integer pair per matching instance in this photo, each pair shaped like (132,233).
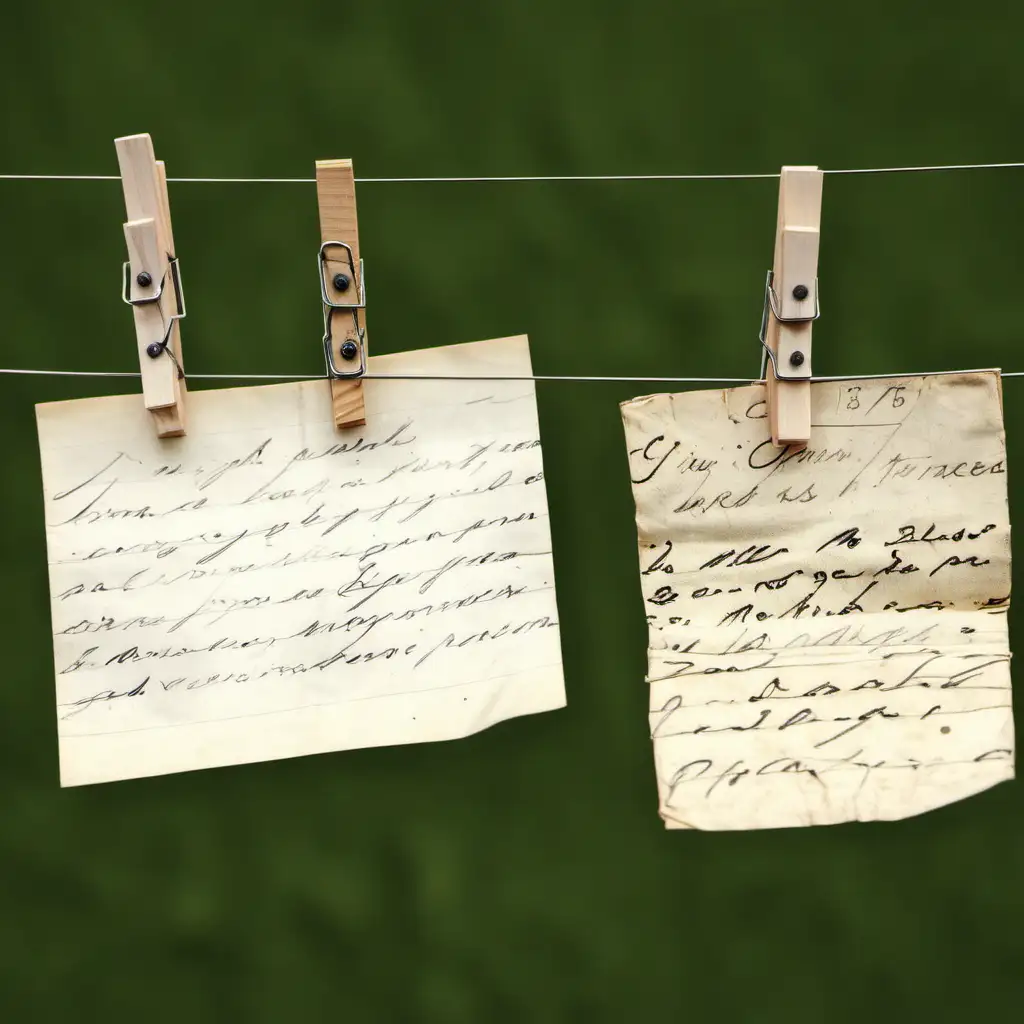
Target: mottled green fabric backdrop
(523,874)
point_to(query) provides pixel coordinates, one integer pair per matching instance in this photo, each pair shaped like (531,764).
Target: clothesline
(534,377)
(507,178)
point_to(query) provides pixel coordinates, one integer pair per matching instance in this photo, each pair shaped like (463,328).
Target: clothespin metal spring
(340,283)
(771,305)
(157,348)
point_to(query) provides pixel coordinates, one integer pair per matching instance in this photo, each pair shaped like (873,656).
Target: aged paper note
(828,636)
(267,586)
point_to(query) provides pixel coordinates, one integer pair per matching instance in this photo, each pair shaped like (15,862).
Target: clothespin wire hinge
(158,348)
(772,307)
(340,283)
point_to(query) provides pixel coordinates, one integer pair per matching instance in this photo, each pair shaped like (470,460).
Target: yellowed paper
(268,586)
(828,635)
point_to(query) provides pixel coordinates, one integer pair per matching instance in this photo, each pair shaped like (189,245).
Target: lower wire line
(521,177)
(532,377)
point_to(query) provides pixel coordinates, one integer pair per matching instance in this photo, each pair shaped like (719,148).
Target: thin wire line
(535,377)
(507,178)
(937,167)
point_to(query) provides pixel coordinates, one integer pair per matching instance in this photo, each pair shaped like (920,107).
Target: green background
(522,874)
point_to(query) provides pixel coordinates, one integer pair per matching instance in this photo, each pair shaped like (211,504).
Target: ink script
(827,624)
(268,586)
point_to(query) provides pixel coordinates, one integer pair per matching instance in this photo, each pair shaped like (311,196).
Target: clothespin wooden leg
(343,288)
(791,305)
(152,283)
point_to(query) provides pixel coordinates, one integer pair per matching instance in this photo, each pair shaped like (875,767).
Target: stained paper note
(268,586)
(828,637)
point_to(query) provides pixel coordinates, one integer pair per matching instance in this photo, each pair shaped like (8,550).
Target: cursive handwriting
(824,621)
(266,566)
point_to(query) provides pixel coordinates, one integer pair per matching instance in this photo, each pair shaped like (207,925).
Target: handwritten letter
(267,586)
(827,625)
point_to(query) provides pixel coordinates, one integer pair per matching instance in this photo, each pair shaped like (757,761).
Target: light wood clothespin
(791,305)
(342,289)
(152,283)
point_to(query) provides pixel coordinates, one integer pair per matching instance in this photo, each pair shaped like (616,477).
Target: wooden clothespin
(342,289)
(152,283)
(791,305)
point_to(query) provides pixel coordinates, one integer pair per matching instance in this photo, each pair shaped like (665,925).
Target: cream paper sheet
(828,635)
(267,586)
